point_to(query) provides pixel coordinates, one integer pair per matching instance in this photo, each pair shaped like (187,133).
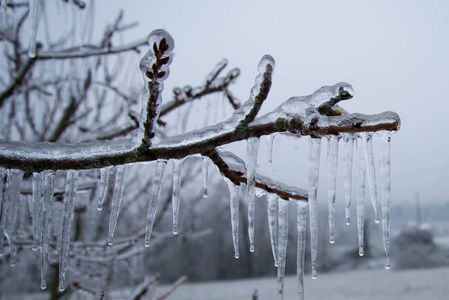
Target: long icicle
(301,227)
(34,20)
(361,174)
(155,194)
(116,200)
(282,245)
(38,186)
(252,150)
(332,161)
(71,187)
(103,186)
(347,163)
(367,144)
(234,202)
(314,172)
(272,212)
(48,188)
(385,170)
(205,170)
(176,196)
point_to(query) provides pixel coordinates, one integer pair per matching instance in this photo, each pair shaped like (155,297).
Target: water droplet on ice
(237,255)
(387,263)
(314,274)
(361,252)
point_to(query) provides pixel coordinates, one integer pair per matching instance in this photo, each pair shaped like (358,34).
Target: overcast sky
(394,53)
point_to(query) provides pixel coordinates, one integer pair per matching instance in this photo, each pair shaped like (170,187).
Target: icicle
(282,245)
(252,150)
(48,188)
(155,193)
(205,169)
(270,140)
(116,200)
(332,161)
(234,191)
(273,200)
(347,162)
(314,172)
(103,186)
(37,208)
(2,181)
(385,171)
(176,197)
(4,6)
(10,210)
(71,186)
(34,20)
(301,227)
(361,174)
(367,144)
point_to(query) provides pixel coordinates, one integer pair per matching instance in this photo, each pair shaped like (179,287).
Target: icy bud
(154,64)
(266,62)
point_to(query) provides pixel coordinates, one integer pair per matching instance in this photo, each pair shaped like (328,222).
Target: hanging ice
(234,191)
(361,174)
(347,162)
(38,186)
(116,200)
(385,171)
(252,150)
(314,172)
(272,213)
(155,193)
(2,180)
(103,186)
(205,169)
(4,4)
(270,140)
(48,188)
(282,245)
(177,172)
(332,161)
(71,186)
(367,144)
(34,20)
(10,210)
(301,227)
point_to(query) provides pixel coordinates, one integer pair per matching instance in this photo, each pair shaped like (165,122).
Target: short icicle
(282,245)
(385,171)
(155,194)
(103,186)
(2,180)
(10,210)
(270,140)
(116,200)
(367,144)
(301,227)
(361,174)
(205,170)
(176,196)
(34,20)
(71,187)
(272,212)
(347,164)
(332,161)
(234,202)
(48,188)
(314,172)
(252,150)
(38,190)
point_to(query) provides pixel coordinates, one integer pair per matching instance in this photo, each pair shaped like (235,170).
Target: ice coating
(38,187)
(214,73)
(176,195)
(234,201)
(270,140)
(332,161)
(272,213)
(71,187)
(282,245)
(367,145)
(103,186)
(116,200)
(10,210)
(301,228)
(361,174)
(205,170)
(2,180)
(34,20)
(48,188)
(252,150)
(154,200)
(385,171)
(347,164)
(314,172)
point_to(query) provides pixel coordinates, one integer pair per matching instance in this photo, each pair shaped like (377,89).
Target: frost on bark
(316,115)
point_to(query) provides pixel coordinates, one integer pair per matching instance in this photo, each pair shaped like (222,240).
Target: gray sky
(394,53)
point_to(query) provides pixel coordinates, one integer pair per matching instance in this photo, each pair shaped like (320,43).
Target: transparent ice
(176,195)
(314,172)
(332,161)
(367,145)
(205,170)
(103,186)
(273,207)
(347,164)
(48,188)
(116,200)
(282,245)
(252,150)
(301,228)
(34,20)
(234,201)
(361,175)
(385,171)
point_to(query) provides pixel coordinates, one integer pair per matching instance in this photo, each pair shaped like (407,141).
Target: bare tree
(68,123)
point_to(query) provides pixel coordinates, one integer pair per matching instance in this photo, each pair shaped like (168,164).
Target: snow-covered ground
(368,285)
